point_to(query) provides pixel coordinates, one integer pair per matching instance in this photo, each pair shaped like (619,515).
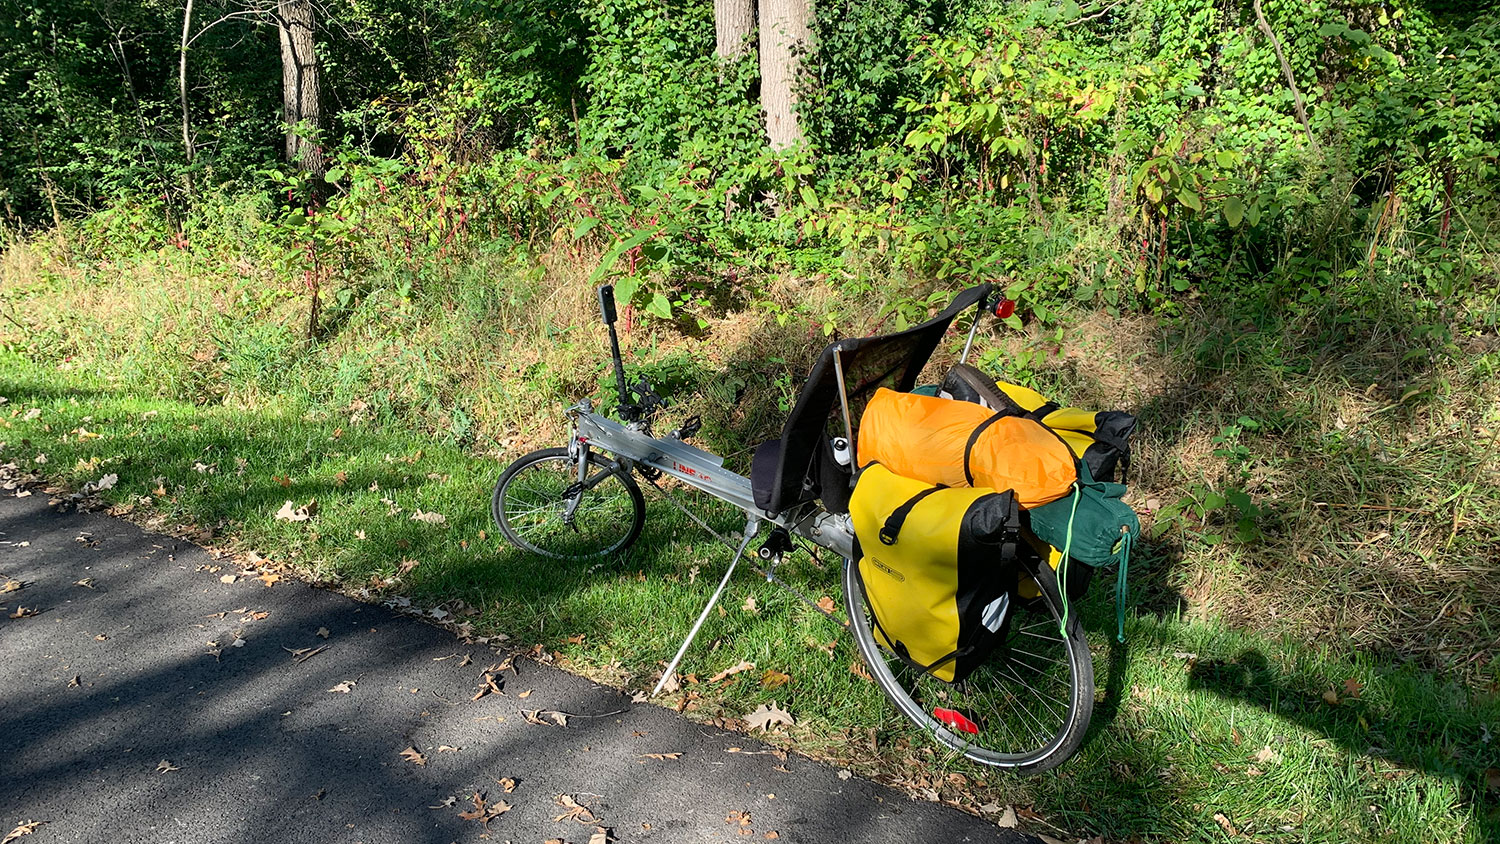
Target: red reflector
(1005,307)
(954,719)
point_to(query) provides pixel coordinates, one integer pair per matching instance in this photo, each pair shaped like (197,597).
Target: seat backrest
(893,361)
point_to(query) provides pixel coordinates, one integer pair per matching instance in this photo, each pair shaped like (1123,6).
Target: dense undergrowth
(1304,316)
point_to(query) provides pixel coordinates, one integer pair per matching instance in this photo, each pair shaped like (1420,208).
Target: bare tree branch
(1286,70)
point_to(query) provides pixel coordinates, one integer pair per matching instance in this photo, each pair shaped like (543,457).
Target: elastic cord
(1121,589)
(1062,567)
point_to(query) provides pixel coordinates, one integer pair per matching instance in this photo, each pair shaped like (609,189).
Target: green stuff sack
(937,566)
(1094,526)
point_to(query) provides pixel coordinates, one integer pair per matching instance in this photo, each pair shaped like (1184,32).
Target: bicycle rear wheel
(1025,709)
(540,505)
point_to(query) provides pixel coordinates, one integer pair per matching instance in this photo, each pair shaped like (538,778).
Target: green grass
(1195,721)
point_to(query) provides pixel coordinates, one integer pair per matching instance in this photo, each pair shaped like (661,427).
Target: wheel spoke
(1024,697)
(530,505)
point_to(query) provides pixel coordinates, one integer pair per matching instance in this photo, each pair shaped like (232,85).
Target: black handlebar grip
(607,303)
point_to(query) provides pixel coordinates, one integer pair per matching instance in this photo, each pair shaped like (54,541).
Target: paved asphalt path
(260,749)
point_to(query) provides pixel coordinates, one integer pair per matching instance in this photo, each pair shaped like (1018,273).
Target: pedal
(689,428)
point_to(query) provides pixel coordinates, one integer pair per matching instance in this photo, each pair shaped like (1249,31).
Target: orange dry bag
(957,443)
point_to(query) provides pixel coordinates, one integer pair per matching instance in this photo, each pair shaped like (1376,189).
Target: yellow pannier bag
(963,444)
(938,568)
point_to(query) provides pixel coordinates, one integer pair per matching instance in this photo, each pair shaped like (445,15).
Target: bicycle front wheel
(1025,709)
(541,505)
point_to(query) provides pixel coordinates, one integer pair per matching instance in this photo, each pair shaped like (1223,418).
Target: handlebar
(628,409)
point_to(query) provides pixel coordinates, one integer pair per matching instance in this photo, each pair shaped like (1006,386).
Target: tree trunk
(734,21)
(299,84)
(187,137)
(785,33)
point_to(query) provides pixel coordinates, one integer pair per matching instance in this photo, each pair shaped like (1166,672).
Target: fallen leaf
(12,586)
(742,665)
(485,812)
(768,715)
(525,694)
(1331,697)
(447,748)
(268,578)
(411,754)
(164,766)
(24,612)
(490,683)
(1266,756)
(445,802)
(344,687)
(1007,819)
(661,757)
(750,606)
(545,717)
(772,835)
(323,632)
(825,604)
(106,482)
(25,828)
(1352,687)
(773,678)
(507,784)
(858,669)
(602,835)
(573,811)
(291,513)
(428,518)
(87,583)
(227,578)
(76,681)
(1224,824)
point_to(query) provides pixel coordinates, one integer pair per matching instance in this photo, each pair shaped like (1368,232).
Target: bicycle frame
(705,472)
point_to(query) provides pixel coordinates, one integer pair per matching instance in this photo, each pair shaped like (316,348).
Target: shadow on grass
(1414,721)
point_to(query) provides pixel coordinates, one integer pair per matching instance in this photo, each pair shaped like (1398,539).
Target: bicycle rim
(1025,709)
(532,499)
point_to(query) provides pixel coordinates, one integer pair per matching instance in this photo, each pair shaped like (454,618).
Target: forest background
(346,249)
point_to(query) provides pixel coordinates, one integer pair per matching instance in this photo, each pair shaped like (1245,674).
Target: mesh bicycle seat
(799,466)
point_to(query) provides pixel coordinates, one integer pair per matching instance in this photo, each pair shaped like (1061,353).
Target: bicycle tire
(551,472)
(914,693)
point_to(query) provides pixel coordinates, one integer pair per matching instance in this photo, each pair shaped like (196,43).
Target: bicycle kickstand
(752,525)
